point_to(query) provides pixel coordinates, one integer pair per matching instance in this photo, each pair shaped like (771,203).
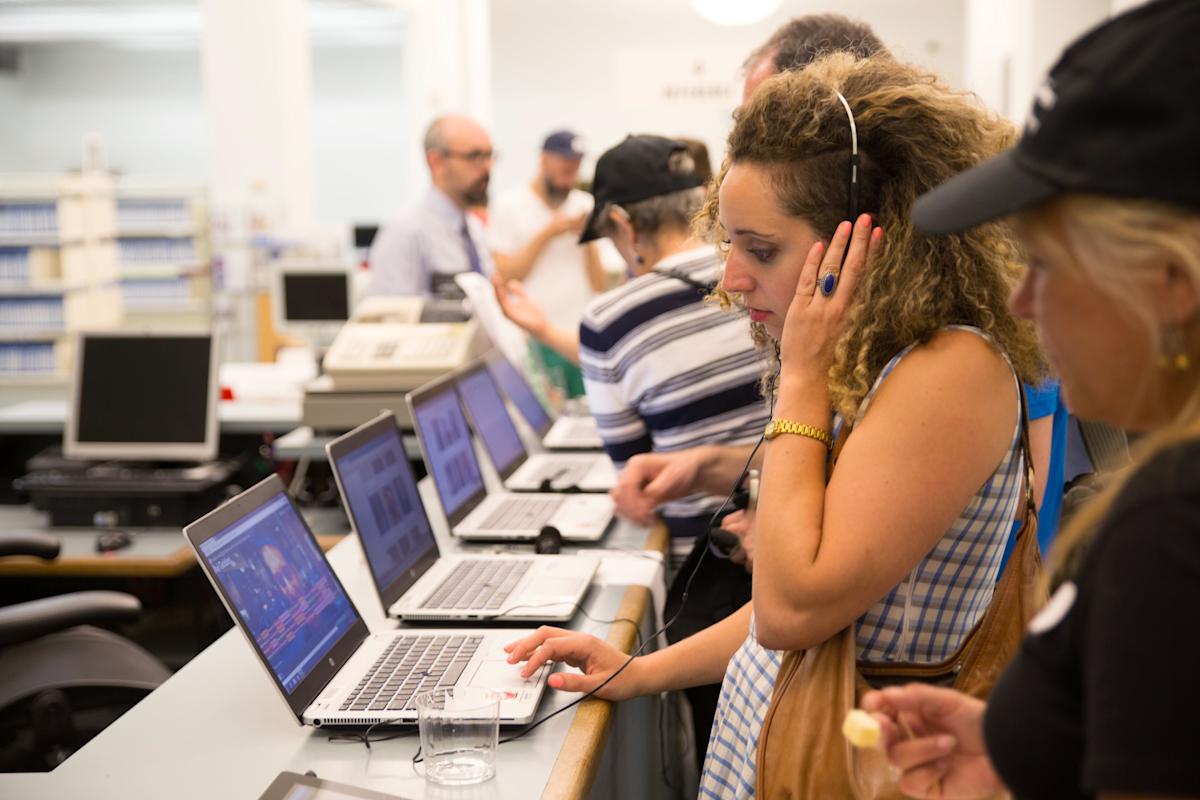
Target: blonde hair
(1110,240)
(914,132)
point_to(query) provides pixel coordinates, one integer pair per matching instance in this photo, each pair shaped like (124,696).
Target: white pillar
(1012,44)
(447,68)
(257,69)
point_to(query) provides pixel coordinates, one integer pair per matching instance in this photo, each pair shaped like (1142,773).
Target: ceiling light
(735,12)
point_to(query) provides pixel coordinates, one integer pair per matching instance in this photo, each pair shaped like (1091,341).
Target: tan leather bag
(802,754)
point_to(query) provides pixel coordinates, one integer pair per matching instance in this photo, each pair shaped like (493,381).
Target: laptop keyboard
(411,665)
(479,583)
(578,427)
(521,513)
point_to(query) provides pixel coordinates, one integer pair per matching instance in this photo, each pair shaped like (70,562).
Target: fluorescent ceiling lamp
(149,25)
(735,12)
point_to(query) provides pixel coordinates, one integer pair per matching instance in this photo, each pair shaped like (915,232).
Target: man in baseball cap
(533,232)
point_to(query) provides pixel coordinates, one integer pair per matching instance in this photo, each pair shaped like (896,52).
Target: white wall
(1012,44)
(149,105)
(145,103)
(11,115)
(554,64)
(361,134)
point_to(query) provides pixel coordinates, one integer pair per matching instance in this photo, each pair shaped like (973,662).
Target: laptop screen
(443,428)
(492,423)
(517,389)
(281,587)
(386,506)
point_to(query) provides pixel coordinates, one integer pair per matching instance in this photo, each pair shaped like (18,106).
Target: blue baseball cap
(564,143)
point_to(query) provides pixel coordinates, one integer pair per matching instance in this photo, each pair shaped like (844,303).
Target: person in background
(419,251)
(798,42)
(1098,701)
(533,229)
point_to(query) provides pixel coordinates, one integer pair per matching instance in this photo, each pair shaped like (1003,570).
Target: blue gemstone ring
(828,283)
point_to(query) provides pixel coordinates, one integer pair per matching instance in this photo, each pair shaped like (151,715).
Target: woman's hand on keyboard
(598,660)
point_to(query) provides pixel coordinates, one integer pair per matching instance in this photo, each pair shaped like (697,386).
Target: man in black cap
(533,230)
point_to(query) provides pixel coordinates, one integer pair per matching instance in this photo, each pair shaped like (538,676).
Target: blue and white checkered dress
(945,596)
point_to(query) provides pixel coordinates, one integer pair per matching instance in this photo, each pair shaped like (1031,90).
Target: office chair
(62,680)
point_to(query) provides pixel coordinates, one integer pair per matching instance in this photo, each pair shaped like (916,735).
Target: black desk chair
(62,680)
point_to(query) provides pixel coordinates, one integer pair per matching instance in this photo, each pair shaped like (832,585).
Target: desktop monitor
(144,397)
(364,235)
(309,295)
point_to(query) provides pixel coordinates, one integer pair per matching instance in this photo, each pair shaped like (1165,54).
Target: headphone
(852,191)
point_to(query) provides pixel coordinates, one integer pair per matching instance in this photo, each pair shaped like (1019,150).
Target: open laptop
(547,472)
(279,588)
(564,433)
(471,511)
(417,584)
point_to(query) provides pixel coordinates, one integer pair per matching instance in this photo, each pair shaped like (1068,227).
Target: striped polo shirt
(666,371)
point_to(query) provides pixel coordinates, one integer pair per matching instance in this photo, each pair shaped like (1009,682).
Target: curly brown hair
(914,133)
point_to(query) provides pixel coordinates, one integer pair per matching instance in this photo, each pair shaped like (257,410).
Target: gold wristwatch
(778,426)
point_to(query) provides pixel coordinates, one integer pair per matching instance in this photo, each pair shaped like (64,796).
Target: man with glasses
(420,251)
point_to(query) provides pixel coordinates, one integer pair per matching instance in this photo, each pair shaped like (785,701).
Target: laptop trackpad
(546,586)
(501,675)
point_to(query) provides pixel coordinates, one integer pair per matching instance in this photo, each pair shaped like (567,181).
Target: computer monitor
(381,497)
(520,393)
(313,296)
(144,397)
(448,448)
(364,235)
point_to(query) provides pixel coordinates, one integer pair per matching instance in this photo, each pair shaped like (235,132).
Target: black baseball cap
(636,169)
(1118,115)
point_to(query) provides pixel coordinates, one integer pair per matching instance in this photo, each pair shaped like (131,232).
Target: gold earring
(1174,350)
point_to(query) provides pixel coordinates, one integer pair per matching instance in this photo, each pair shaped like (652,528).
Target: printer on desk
(140,443)
(391,346)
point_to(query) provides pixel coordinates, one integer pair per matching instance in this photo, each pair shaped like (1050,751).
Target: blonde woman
(1105,187)
(909,342)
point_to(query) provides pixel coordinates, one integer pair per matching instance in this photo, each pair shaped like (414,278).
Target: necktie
(472,253)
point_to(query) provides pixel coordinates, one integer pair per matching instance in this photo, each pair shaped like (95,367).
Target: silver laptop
(520,471)
(471,510)
(278,586)
(414,582)
(563,433)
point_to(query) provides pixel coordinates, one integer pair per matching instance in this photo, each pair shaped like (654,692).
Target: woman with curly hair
(908,342)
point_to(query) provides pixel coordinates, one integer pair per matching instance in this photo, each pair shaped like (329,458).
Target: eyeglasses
(474,157)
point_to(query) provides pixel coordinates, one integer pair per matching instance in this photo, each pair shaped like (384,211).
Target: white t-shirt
(558,280)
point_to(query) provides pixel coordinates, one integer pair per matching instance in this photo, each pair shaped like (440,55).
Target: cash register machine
(140,443)
(390,346)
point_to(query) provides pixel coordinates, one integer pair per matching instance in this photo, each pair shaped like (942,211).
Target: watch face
(769,431)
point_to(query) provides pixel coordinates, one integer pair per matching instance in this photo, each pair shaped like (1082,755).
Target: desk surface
(155,552)
(236,416)
(218,728)
(267,398)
